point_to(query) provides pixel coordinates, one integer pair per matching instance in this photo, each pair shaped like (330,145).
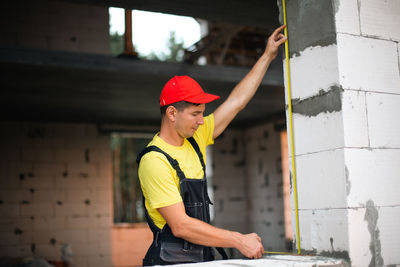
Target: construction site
(312,164)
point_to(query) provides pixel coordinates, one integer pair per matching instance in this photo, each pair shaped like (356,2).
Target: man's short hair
(180,106)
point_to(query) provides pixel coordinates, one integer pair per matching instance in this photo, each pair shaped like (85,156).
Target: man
(172,169)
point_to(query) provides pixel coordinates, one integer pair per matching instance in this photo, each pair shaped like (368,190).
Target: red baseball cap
(184,88)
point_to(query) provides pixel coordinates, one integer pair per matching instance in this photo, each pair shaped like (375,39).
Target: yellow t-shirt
(158,179)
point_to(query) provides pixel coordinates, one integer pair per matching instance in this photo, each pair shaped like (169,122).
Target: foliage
(175,53)
(174,46)
(116,43)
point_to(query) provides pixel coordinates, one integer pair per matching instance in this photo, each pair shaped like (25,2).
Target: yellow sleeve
(158,182)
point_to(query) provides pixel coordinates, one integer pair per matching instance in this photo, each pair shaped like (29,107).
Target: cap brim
(202,99)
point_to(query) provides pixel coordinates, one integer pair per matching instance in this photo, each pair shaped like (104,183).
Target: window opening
(127,197)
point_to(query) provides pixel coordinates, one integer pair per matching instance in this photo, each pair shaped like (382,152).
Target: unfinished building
(63,98)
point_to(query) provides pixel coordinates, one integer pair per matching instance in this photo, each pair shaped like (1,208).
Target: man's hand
(251,247)
(199,232)
(274,41)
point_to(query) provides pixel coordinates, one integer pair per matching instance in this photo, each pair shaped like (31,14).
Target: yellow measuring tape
(291,138)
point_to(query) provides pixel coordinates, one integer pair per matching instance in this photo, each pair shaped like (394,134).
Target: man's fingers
(279,29)
(258,238)
(281,41)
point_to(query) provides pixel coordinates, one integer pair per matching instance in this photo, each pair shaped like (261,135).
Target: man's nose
(201,121)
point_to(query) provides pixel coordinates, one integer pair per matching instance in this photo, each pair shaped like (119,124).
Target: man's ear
(171,113)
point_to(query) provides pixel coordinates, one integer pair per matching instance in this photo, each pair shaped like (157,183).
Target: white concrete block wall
(314,133)
(230,192)
(368,64)
(321,180)
(313,70)
(383,120)
(229,185)
(355,119)
(380,19)
(265,185)
(323,231)
(247,180)
(56,25)
(373,175)
(54,191)
(365,132)
(347,17)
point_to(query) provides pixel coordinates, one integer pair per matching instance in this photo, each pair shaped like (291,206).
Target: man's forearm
(247,87)
(201,233)
(240,95)
(245,90)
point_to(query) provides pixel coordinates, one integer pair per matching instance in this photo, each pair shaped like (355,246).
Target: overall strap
(153,227)
(194,144)
(174,163)
(198,152)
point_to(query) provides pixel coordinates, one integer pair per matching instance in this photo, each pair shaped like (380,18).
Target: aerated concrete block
(321,182)
(383,120)
(37,155)
(12,196)
(76,210)
(80,196)
(389,234)
(99,210)
(67,155)
(17,251)
(317,133)
(380,19)
(37,237)
(49,169)
(372,174)
(347,17)
(373,235)
(355,124)
(368,64)
(37,209)
(48,251)
(38,182)
(47,195)
(71,182)
(315,69)
(323,230)
(359,238)
(79,223)
(72,236)
(10,210)
(48,223)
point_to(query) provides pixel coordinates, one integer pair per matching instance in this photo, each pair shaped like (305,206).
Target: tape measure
(291,139)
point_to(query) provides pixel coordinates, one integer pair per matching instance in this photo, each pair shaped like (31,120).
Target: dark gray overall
(166,248)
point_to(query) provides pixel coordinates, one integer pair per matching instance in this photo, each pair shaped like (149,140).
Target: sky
(150,31)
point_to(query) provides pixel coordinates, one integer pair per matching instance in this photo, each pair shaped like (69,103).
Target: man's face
(189,119)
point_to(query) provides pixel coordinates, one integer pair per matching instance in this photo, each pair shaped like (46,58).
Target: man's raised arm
(247,87)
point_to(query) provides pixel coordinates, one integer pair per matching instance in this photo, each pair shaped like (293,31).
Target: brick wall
(55,25)
(55,190)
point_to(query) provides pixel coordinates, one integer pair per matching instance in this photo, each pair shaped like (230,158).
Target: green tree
(175,50)
(116,43)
